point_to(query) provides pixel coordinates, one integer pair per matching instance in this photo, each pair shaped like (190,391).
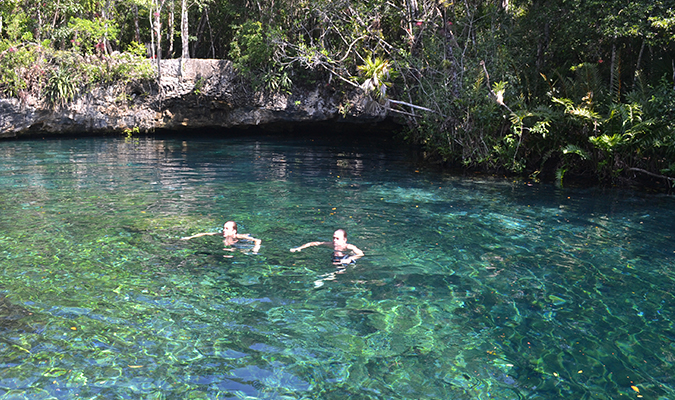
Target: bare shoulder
(353,248)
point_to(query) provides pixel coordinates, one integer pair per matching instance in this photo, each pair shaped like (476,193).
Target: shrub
(249,51)
(89,34)
(15,59)
(61,87)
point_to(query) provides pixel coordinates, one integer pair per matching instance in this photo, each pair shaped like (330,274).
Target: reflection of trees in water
(350,164)
(178,164)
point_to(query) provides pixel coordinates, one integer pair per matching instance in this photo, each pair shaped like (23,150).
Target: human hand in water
(294,249)
(346,261)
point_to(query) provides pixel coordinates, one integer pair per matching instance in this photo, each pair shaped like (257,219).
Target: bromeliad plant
(378,74)
(61,87)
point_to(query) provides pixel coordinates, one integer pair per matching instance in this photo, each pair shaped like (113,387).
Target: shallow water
(470,288)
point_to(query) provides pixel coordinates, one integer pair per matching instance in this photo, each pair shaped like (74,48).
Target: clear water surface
(470,288)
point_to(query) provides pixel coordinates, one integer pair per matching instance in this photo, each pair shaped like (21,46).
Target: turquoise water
(470,288)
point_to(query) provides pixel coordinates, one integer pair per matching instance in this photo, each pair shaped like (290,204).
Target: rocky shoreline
(191,94)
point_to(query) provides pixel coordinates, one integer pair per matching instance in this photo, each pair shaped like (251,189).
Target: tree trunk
(184,34)
(200,32)
(542,46)
(637,66)
(152,34)
(411,8)
(38,30)
(158,33)
(56,14)
(106,43)
(137,28)
(170,32)
(612,70)
(213,49)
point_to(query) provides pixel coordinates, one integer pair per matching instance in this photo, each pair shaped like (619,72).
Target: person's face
(339,239)
(229,230)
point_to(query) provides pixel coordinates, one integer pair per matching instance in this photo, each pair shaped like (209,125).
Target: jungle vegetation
(546,89)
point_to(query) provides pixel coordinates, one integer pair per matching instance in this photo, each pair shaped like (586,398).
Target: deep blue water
(471,288)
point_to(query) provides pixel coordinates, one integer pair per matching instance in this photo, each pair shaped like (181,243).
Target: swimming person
(340,248)
(230,237)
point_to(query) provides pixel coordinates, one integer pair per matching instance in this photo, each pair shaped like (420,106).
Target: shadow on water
(12,318)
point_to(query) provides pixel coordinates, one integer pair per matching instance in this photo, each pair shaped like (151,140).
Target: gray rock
(194,93)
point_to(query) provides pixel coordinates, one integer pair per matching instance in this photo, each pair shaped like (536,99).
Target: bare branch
(652,174)
(412,106)
(498,98)
(350,47)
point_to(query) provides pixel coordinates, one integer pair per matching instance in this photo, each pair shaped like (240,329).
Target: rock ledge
(195,93)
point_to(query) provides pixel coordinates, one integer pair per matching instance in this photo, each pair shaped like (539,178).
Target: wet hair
(344,233)
(236,229)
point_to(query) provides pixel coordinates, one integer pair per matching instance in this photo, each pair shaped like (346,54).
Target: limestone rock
(193,93)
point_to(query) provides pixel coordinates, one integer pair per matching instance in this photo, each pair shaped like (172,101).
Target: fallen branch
(402,112)
(652,174)
(411,105)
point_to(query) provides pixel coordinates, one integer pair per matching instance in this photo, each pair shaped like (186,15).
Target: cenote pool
(470,288)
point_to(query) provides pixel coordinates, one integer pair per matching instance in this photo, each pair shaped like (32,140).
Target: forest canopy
(544,88)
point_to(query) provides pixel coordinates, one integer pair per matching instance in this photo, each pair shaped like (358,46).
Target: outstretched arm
(199,235)
(306,245)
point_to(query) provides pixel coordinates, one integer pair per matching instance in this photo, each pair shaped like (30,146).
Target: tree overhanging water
(542,89)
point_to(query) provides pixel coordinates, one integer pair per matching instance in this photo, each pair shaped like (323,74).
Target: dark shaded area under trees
(547,89)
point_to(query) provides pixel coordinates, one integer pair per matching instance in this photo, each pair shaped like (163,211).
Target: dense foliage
(544,88)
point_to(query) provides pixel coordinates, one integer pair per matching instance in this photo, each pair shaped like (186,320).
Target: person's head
(340,237)
(230,228)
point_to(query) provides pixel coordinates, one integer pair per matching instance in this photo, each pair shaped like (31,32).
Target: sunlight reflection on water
(470,288)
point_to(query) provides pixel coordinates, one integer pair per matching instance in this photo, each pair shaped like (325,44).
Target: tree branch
(411,105)
(652,174)
(498,99)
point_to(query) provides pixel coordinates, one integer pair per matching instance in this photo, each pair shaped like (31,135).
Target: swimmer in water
(343,253)
(230,237)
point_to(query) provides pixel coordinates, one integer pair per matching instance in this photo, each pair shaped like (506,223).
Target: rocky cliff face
(190,94)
